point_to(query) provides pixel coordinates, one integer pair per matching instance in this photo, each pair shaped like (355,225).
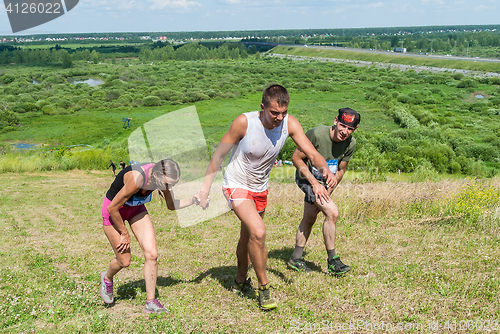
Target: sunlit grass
(407,260)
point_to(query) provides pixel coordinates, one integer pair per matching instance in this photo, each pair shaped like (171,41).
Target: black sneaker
(244,288)
(299,265)
(335,266)
(266,302)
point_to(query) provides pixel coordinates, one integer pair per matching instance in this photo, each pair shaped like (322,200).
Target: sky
(229,15)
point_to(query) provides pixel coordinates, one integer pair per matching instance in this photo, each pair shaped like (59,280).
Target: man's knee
(258,235)
(332,215)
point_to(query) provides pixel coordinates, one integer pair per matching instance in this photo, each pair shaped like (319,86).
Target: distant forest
(470,41)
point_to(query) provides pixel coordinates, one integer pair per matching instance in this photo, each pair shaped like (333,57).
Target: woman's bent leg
(144,231)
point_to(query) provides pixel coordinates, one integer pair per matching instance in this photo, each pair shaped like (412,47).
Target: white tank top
(253,158)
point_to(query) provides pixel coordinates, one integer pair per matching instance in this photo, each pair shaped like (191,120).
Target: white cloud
(182,4)
(375,5)
(113,5)
(231,2)
(481,8)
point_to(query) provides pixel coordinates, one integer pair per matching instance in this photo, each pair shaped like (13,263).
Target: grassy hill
(407,244)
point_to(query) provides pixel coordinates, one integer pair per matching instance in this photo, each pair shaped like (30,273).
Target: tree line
(157,52)
(456,43)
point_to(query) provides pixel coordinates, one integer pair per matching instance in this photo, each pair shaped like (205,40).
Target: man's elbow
(171,206)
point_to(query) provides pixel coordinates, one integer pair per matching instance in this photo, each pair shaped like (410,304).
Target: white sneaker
(106,290)
(154,306)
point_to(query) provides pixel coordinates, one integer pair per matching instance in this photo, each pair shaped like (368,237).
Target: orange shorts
(260,199)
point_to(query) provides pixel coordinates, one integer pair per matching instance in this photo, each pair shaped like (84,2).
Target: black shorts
(307,188)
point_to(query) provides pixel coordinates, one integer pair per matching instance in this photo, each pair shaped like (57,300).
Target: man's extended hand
(321,193)
(330,179)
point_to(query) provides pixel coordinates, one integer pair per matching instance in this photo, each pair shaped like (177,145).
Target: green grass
(442,112)
(390,59)
(93,126)
(410,265)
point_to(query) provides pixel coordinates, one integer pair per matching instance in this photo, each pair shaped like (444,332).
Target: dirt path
(401,67)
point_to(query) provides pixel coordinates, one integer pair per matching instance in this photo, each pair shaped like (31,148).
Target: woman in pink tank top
(125,199)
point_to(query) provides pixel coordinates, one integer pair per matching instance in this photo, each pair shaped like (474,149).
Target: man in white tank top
(256,139)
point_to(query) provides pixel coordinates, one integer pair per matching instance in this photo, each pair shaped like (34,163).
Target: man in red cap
(336,145)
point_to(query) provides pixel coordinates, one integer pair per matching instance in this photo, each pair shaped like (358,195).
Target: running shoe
(244,288)
(106,290)
(335,266)
(154,306)
(299,265)
(266,302)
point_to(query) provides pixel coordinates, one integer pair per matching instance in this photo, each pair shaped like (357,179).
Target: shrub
(403,98)
(455,167)
(150,101)
(494,81)
(430,100)
(29,106)
(41,103)
(98,94)
(424,173)
(166,94)
(64,103)
(405,119)
(7,79)
(125,98)
(113,94)
(49,109)
(8,118)
(467,83)
(457,76)
(85,103)
(323,87)
(193,96)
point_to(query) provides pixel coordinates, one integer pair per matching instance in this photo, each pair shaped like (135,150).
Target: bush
(405,119)
(49,109)
(494,81)
(403,98)
(457,76)
(7,79)
(64,103)
(8,118)
(455,167)
(424,173)
(85,103)
(113,94)
(41,103)
(150,101)
(467,83)
(98,94)
(29,106)
(125,98)
(193,96)
(167,94)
